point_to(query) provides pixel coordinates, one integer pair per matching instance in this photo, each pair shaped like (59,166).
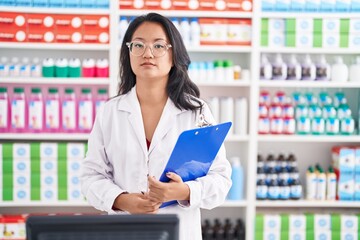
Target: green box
(290,40)
(345,26)
(335,235)
(264,25)
(8,194)
(259,235)
(259,223)
(310,222)
(310,235)
(284,235)
(264,39)
(62,194)
(344,40)
(35,194)
(7,167)
(317,40)
(290,25)
(284,223)
(317,25)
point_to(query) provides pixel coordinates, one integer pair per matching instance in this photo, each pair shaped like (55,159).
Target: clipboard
(194,152)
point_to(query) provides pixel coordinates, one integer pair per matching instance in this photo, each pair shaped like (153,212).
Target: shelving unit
(308,148)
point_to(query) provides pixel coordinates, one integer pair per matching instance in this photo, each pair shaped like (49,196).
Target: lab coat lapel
(167,121)
(130,103)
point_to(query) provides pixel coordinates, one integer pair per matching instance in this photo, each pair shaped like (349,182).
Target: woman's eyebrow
(155,40)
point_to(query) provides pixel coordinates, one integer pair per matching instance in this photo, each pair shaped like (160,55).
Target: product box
(12,35)
(297,222)
(312,5)
(21,194)
(48,150)
(331,25)
(322,234)
(343,159)
(88,3)
(39,3)
(55,3)
(210,5)
(282,5)
(48,194)
(272,222)
(38,35)
(297,5)
(126,4)
(304,25)
(322,222)
(272,235)
(355,5)
(70,23)
(75,151)
(276,25)
(95,22)
(354,25)
(331,40)
(213,31)
(10,20)
(72,3)
(239,32)
(102,3)
(342,5)
(354,40)
(345,235)
(13,227)
(21,150)
(357,187)
(304,40)
(349,223)
(297,235)
(276,39)
(346,186)
(357,160)
(23,3)
(327,5)
(156,4)
(268,5)
(235,5)
(181,5)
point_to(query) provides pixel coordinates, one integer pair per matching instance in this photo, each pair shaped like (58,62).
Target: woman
(135,132)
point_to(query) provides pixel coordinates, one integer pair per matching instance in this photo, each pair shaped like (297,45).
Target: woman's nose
(148,53)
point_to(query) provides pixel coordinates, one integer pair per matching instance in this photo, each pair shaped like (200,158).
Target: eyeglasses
(158,49)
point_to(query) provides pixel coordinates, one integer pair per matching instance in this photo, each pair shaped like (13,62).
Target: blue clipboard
(194,152)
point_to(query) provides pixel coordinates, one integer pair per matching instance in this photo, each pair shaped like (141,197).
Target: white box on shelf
(49,194)
(331,40)
(349,223)
(304,25)
(304,40)
(345,235)
(354,25)
(297,222)
(354,40)
(272,222)
(322,222)
(331,25)
(21,150)
(276,39)
(49,150)
(21,194)
(297,235)
(322,234)
(48,166)
(75,151)
(276,25)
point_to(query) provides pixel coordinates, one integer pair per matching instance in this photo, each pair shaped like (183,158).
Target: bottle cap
(86,90)
(18,90)
(69,90)
(53,90)
(35,90)
(102,63)
(218,63)
(61,62)
(102,91)
(74,62)
(3,89)
(228,63)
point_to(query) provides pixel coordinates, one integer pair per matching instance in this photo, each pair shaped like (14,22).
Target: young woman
(135,132)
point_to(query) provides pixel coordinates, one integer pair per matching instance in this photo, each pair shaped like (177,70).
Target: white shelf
(307,84)
(321,15)
(220,49)
(302,50)
(44,204)
(237,138)
(56,46)
(174,13)
(309,138)
(308,204)
(46,10)
(238,203)
(45,136)
(240,83)
(77,81)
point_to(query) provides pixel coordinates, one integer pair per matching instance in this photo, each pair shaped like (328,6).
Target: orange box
(234,5)
(126,4)
(64,36)
(213,5)
(13,21)
(239,32)
(180,4)
(158,4)
(41,21)
(39,35)
(95,23)
(96,37)
(246,5)
(13,35)
(213,31)
(68,23)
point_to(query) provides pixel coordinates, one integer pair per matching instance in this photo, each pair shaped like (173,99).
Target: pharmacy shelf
(237,138)
(309,138)
(321,15)
(44,136)
(48,81)
(56,46)
(44,204)
(307,84)
(238,203)
(46,10)
(174,13)
(303,50)
(239,83)
(220,49)
(307,204)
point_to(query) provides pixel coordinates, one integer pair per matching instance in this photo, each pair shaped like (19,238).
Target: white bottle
(4,67)
(339,71)
(185,31)
(175,21)
(24,68)
(323,70)
(241,118)
(227,111)
(355,71)
(279,68)
(14,68)
(293,69)
(35,68)
(265,68)
(195,32)
(123,25)
(308,69)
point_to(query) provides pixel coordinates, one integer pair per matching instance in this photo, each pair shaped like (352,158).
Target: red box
(95,23)
(96,37)
(13,35)
(13,21)
(69,23)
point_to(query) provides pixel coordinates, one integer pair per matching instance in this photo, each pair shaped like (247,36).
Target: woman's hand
(136,203)
(176,189)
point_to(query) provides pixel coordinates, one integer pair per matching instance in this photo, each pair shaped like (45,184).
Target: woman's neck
(151,95)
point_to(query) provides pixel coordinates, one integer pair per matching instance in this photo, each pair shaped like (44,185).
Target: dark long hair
(181,90)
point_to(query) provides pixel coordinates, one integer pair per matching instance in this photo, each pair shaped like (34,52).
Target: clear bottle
(25,68)
(35,68)
(18,110)
(311,184)
(228,71)
(185,31)
(14,67)
(4,67)
(68,110)
(36,111)
(194,32)
(52,111)
(4,110)
(331,184)
(85,109)
(101,98)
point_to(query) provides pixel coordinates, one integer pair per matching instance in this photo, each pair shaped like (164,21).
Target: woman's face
(147,66)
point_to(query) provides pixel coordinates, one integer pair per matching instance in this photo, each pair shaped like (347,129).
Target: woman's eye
(138,45)
(159,46)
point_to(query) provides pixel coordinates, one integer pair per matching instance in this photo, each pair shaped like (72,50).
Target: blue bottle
(237,177)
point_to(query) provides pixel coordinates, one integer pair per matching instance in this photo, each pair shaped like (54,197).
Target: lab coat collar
(130,103)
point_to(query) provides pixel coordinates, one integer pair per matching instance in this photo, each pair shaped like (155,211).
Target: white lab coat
(118,160)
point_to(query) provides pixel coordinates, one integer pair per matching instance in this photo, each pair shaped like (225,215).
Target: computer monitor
(103,227)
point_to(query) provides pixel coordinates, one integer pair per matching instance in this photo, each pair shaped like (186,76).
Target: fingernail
(168,174)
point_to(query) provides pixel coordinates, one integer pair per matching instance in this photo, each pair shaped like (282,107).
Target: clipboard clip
(202,121)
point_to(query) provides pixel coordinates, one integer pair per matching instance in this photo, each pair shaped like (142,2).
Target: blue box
(40,3)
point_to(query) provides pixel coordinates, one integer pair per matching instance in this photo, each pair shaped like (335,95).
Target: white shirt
(118,160)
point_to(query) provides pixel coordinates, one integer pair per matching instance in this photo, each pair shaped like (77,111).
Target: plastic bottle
(88,67)
(332,126)
(18,110)
(279,68)
(68,110)
(101,98)
(48,67)
(323,70)
(284,190)
(102,68)
(237,177)
(331,184)
(14,67)
(35,68)
(261,189)
(176,23)
(296,190)
(4,110)
(36,111)
(311,184)
(321,184)
(308,69)
(61,68)
(195,32)
(219,71)
(74,68)
(355,71)
(123,25)
(52,111)
(339,71)
(293,69)
(85,108)
(229,71)
(24,68)
(273,190)
(4,67)
(185,31)
(265,68)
